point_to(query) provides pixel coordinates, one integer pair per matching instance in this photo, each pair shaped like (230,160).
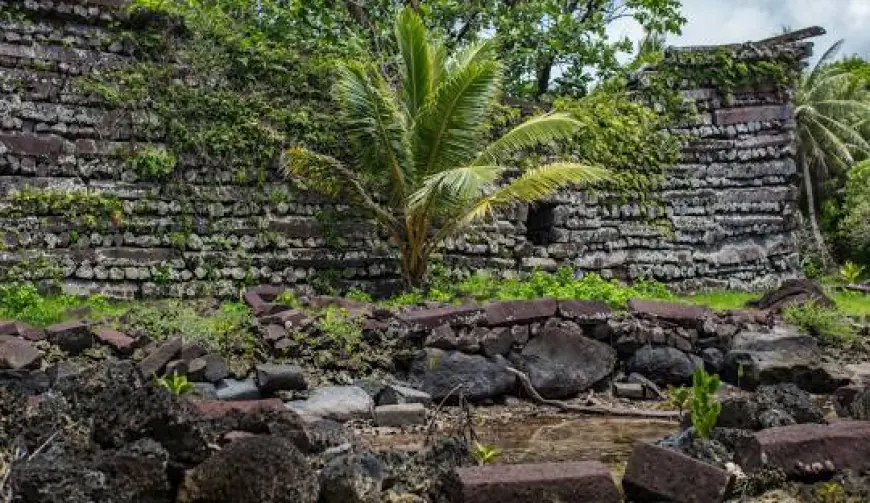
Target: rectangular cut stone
(520,312)
(214,408)
(658,474)
(431,318)
(584,310)
(578,481)
(846,444)
(403,414)
(30,144)
(767,113)
(682,314)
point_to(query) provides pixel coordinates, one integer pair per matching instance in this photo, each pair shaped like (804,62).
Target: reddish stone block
(520,312)
(17,354)
(426,319)
(682,314)
(580,481)
(118,341)
(843,444)
(217,408)
(658,474)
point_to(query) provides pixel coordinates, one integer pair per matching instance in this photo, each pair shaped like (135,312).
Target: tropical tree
(423,168)
(832,112)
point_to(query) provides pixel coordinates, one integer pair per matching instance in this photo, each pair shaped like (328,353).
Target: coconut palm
(423,167)
(831,113)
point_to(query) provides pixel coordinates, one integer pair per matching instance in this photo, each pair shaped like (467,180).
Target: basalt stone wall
(731,200)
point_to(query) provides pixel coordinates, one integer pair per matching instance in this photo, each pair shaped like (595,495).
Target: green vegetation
(485,454)
(705,408)
(176,384)
(831,112)
(153,163)
(829,325)
(851,272)
(79,207)
(23,302)
(227,329)
(422,146)
(721,300)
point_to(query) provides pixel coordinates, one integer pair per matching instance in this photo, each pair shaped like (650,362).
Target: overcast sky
(732,21)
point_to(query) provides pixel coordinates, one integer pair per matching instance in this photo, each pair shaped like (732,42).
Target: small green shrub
(678,398)
(343,331)
(152,163)
(359,295)
(829,325)
(704,406)
(485,454)
(851,273)
(812,265)
(176,384)
(288,298)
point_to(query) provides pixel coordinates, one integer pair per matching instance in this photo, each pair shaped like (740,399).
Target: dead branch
(590,409)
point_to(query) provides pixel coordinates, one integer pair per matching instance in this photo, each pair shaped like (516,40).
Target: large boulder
(781,355)
(769,406)
(664,364)
(445,374)
(265,469)
(561,363)
(794,291)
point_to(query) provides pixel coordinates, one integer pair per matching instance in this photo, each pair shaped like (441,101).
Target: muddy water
(551,438)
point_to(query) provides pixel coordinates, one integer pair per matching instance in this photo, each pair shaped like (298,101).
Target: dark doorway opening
(539,224)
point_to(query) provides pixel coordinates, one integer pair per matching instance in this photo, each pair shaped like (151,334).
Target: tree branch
(590,409)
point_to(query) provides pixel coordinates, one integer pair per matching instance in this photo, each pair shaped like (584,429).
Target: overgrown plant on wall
(422,167)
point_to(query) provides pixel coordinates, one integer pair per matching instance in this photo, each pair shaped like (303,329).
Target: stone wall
(731,201)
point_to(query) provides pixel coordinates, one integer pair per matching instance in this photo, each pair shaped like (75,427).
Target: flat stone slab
(520,312)
(843,445)
(539,483)
(424,319)
(658,474)
(217,408)
(584,311)
(155,363)
(17,354)
(118,341)
(681,314)
(404,414)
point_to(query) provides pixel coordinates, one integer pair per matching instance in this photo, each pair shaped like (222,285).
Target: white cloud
(712,22)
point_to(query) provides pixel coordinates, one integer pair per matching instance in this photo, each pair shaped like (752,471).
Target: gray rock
(664,365)
(156,361)
(205,390)
(394,394)
(628,390)
(771,418)
(276,377)
(442,337)
(18,354)
(72,336)
(352,478)
(176,367)
(561,363)
(231,389)
(405,414)
(451,373)
(497,341)
(216,368)
(714,360)
(340,403)
(780,356)
(469,340)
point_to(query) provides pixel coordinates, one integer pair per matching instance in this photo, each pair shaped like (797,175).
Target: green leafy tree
(423,167)
(547,46)
(832,108)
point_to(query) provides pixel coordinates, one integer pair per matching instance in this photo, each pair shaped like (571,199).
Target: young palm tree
(423,168)
(831,113)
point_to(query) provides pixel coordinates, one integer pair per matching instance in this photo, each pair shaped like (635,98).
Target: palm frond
(376,127)
(826,58)
(455,186)
(417,55)
(448,131)
(476,52)
(535,184)
(536,131)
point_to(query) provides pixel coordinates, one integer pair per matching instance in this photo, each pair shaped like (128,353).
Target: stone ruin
(731,201)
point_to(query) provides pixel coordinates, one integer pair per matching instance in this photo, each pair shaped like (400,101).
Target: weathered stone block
(658,474)
(578,481)
(520,312)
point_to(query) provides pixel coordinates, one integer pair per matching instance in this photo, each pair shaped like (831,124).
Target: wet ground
(539,437)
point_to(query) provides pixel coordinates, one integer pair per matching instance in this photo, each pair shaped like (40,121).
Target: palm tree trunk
(811,215)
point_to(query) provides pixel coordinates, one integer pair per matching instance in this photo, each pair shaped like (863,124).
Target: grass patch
(721,300)
(852,303)
(830,326)
(23,302)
